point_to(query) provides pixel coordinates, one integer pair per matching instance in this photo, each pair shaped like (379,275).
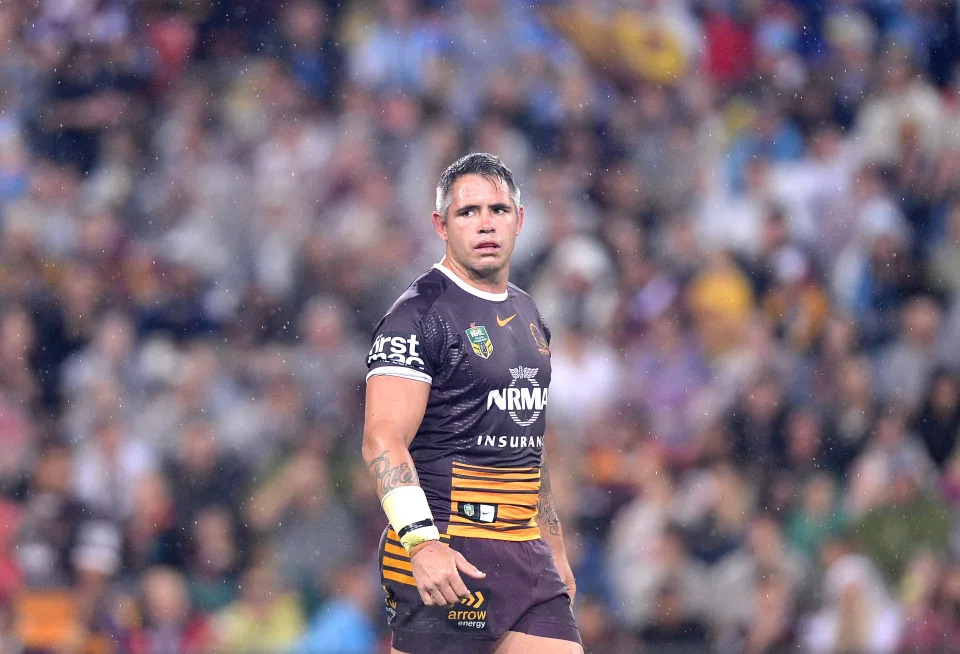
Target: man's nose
(486,221)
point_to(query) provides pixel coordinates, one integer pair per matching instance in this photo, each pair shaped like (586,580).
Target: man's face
(481,225)
(52,474)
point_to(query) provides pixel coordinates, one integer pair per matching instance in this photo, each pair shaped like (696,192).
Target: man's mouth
(487,247)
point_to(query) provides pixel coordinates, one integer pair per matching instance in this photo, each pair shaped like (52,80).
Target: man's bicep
(395,407)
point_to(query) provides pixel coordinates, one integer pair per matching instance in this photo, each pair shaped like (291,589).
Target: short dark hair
(476,163)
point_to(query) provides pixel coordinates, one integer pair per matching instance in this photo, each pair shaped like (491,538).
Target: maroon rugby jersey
(486,357)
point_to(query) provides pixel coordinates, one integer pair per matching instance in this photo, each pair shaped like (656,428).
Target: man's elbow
(375,443)
(367,449)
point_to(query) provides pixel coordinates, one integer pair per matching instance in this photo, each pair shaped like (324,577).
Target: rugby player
(473,558)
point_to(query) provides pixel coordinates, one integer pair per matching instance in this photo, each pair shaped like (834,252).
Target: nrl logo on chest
(480,340)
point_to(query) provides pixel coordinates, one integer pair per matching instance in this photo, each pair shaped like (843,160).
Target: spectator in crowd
(264,617)
(151,535)
(674,628)
(295,510)
(109,468)
(817,517)
(216,559)
(938,420)
(342,625)
(201,474)
(169,623)
(909,361)
(668,562)
(763,561)
(66,552)
(857,613)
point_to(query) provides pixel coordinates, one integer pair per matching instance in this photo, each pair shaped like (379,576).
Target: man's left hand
(566,573)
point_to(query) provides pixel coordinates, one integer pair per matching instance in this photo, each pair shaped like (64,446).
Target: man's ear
(439,225)
(519,219)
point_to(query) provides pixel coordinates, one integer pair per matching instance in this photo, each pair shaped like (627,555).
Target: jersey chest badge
(480,340)
(539,339)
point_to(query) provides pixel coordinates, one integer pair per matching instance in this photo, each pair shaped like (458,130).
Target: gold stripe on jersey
(497,485)
(514,491)
(397,563)
(474,530)
(398,577)
(513,514)
(483,475)
(499,480)
(480,482)
(495,469)
(390,548)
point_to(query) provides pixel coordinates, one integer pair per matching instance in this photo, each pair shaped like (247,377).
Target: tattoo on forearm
(389,477)
(546,513)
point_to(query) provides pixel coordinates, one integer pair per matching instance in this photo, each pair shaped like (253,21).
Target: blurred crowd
(743,227)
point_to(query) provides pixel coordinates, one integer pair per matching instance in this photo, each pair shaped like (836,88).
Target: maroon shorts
(522,592)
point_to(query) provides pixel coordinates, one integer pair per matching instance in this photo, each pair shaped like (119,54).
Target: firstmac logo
(523,399)
(399,349)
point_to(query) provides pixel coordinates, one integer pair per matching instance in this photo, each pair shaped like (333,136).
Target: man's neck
(485,284)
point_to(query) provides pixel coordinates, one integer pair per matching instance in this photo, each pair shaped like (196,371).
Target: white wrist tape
(409,514)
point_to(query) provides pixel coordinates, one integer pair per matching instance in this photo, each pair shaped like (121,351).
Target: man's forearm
(390,464)
(547,518)
(398,488)
(552,531)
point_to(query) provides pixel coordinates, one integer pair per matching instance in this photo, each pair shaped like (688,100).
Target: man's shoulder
(519,292)
(421,295)
(522,296)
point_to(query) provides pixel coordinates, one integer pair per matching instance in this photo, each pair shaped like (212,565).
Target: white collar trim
(493,297)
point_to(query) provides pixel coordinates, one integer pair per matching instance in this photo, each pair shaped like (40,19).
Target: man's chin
(487,267)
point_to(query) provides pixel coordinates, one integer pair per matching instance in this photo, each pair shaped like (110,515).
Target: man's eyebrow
(496,206)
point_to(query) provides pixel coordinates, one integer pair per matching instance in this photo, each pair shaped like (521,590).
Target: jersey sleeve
(544,327)
(406,341)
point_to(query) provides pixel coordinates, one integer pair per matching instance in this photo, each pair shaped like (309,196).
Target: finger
(466,567)
(434,594)
(425,596)
(456,583)
(439,599)
(450,596)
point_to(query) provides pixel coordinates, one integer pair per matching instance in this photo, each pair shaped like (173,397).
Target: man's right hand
(436,569)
